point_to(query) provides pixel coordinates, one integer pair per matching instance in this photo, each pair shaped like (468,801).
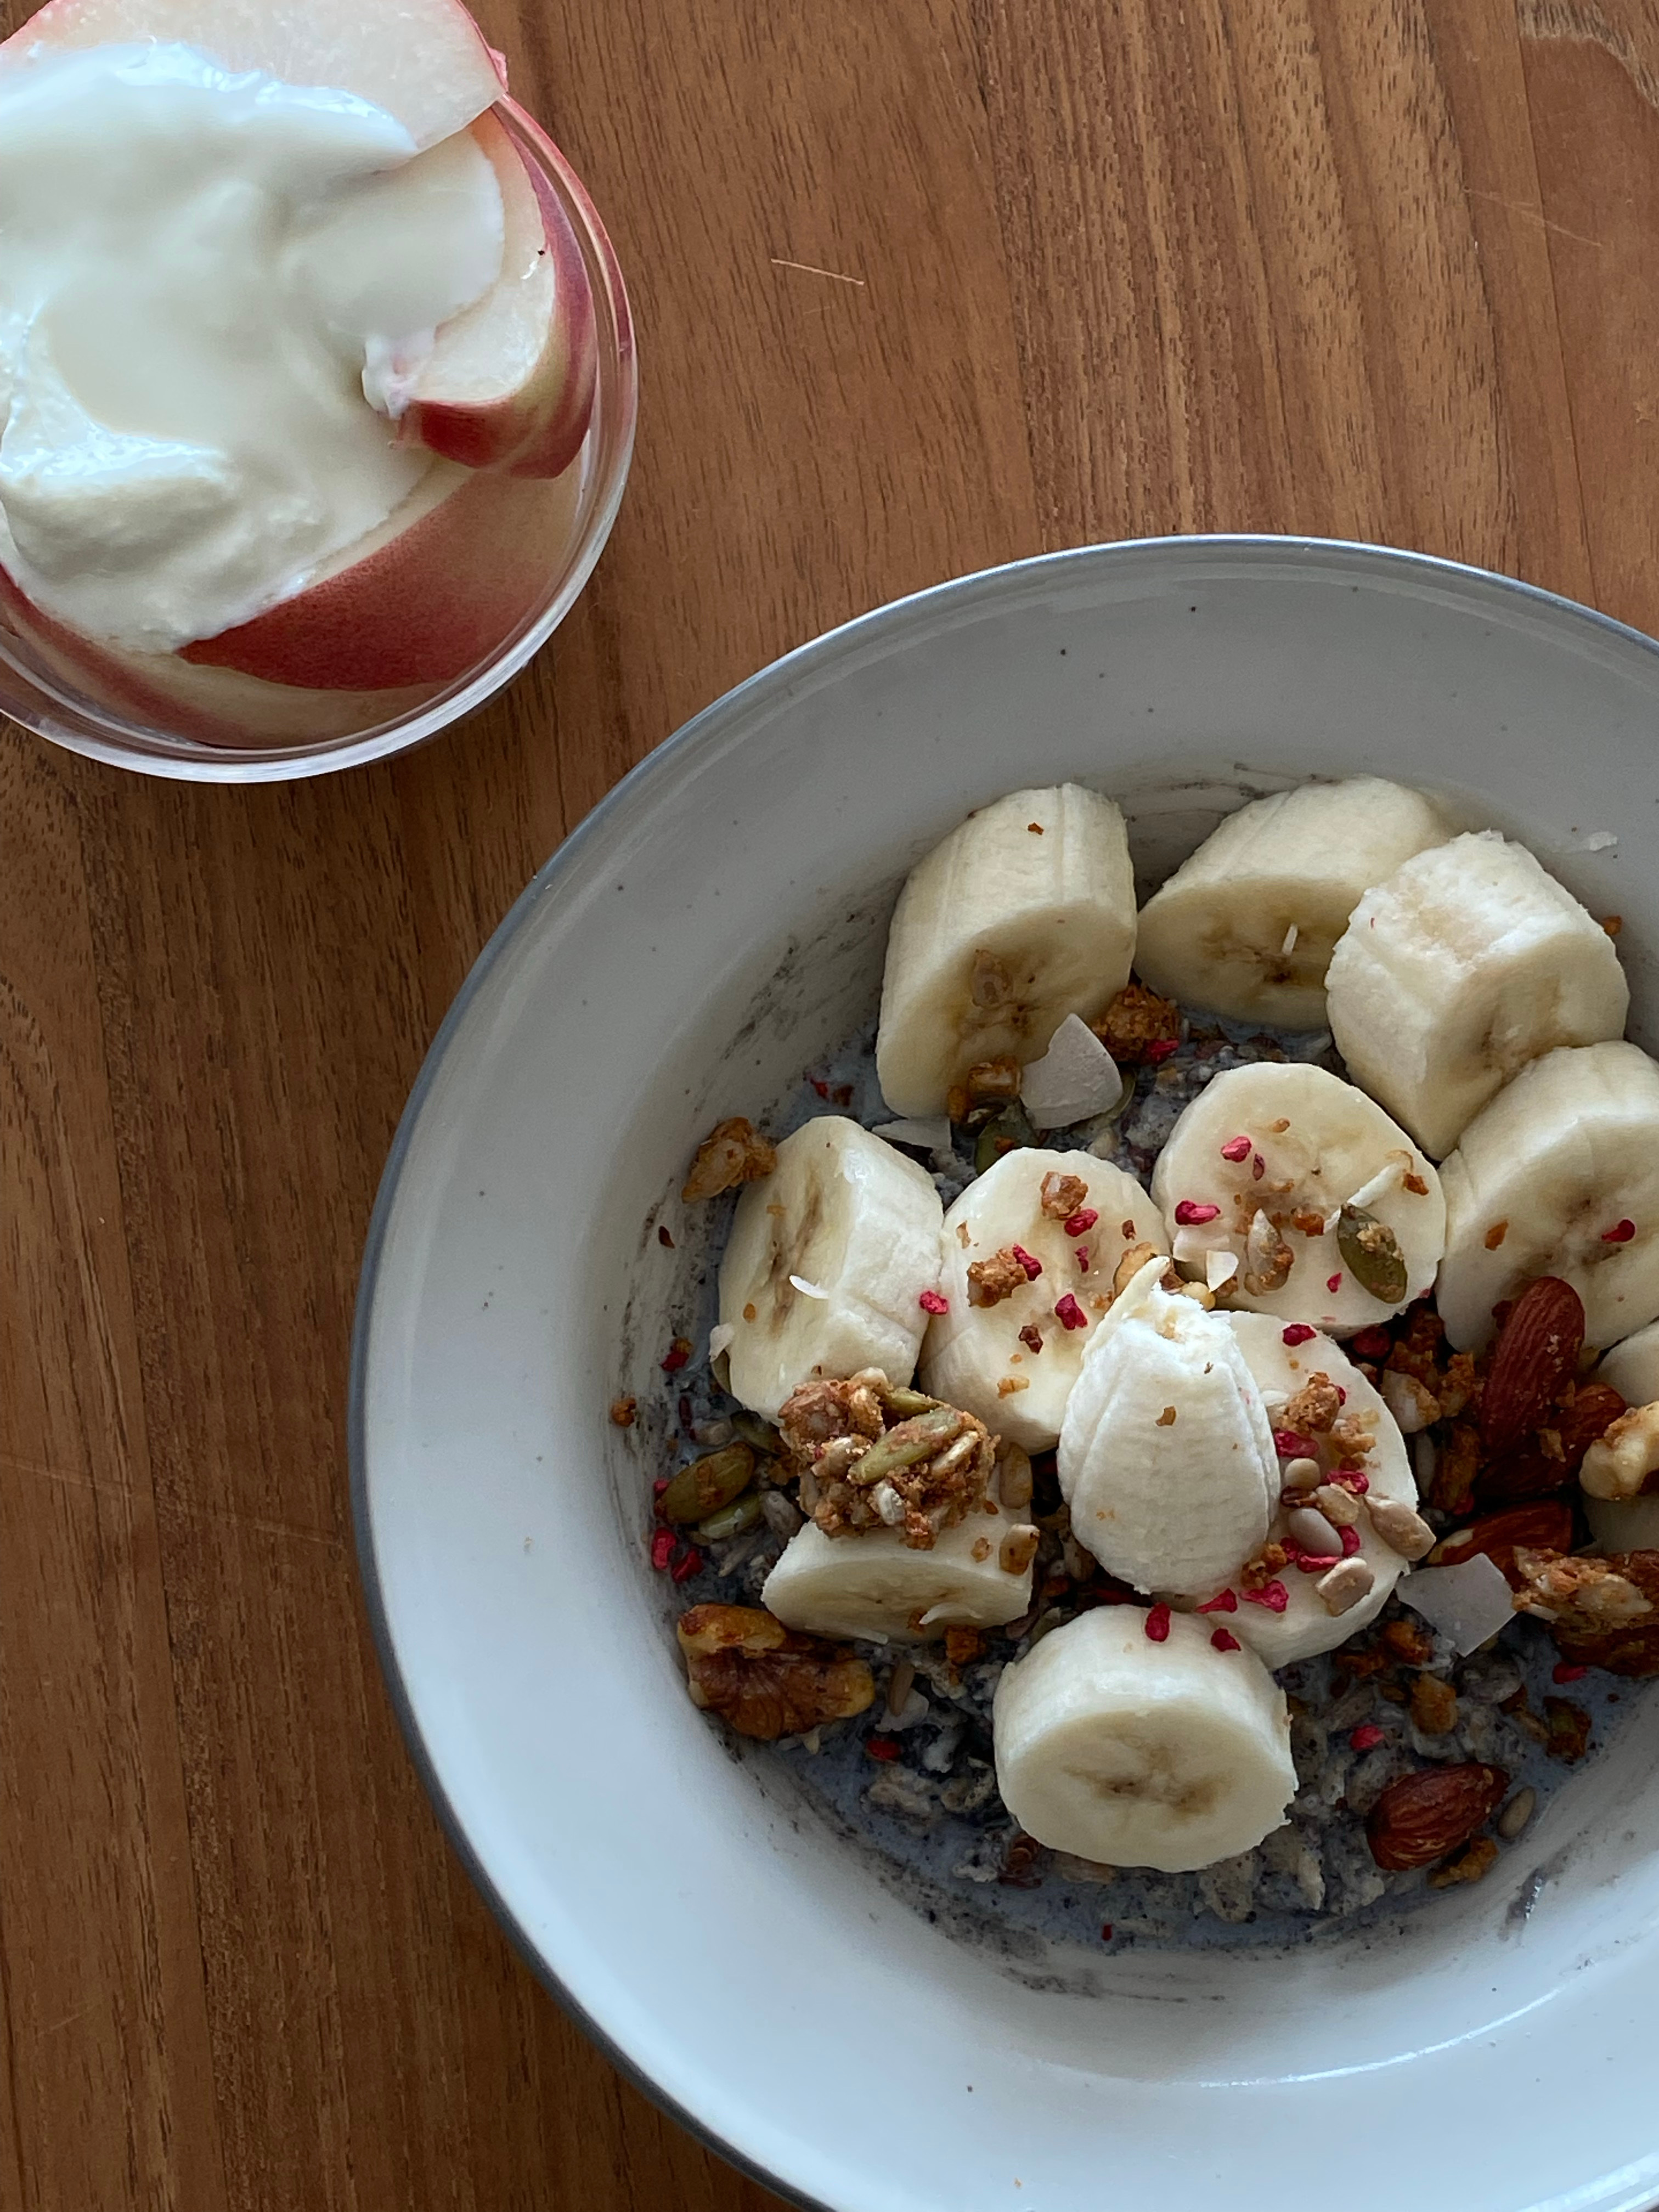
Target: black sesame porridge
(1484,1497)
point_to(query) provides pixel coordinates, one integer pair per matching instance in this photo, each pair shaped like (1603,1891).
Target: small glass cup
(40,687)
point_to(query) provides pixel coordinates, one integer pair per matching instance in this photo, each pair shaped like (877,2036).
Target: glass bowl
(42,688)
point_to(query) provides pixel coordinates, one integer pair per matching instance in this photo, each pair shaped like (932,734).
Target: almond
(1537,1351)
(1546,1526)
(1423,1817)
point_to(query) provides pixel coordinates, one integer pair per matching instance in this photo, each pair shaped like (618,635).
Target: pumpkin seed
(754,1431)
(731,1520)
(1373,1255)
(1007,1132)
(708,1484)
(907,1402)
(911,1441)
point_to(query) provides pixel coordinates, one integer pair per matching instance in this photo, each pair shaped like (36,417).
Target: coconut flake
(1289,946)
(721,1338)
(1191,1245)
(1077,1077)
(930,1136)
(1220,1267)
(1468,1603)
(1388,1178)
(808,1289)
(1602,840)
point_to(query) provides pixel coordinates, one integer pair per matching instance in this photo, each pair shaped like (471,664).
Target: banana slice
(1245,927)
(1259,1169)
(1014,1362)
(1306,1626)
(1141,1753)
(1631,1368)
(874,1585)
(1024,914)
(1469,962)
(826,1264)
(1166,1457)
(1559,1176)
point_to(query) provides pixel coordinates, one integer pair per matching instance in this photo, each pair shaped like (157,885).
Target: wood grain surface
(920,285)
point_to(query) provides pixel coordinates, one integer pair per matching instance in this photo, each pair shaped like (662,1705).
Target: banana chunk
(1466,964)
(1142,1753)
(826,1264)
(1559,1176)
(1166,1457)
(1306,1626)
(1244,927)
(1631,1368)
(1012,1361)
(1331,1212)
(873,1585)
(1024,914)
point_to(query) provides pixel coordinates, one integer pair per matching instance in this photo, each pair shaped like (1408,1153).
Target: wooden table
(920,285)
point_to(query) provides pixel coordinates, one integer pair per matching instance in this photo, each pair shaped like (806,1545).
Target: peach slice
(423,598)
(423,61)
(509,383)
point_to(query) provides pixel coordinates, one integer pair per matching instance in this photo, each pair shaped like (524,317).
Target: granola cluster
(869,1455)
(732,1152)
(1136,1020)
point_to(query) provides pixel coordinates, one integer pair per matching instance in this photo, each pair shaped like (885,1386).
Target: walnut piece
(990,1281)
(1624,1459)
(1061,1196)
(732,1152)
(1135,1018)
(922,1473)
(764,1679)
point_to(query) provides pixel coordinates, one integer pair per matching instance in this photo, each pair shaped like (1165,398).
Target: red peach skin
(423,602)
(509,383)
(423,61)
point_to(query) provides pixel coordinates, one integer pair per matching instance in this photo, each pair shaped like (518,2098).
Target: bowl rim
(815,657)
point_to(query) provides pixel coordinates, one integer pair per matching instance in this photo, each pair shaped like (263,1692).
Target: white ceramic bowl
(712,926)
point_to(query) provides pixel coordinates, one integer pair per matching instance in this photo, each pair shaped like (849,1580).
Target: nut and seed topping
(990,1281)
(1516,1814)
(1136,1019)
(1342,1587)
(931,1466)
(732,1152)
(1371,1252)
(1400,1529)
(765,1680)
(1316,1408)
(1063,1195)
(707,1484)
(1469,1865)
(1017,1549)
(1434,1705)
(1267,1258)
(1624,1459)
(1424,1816)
